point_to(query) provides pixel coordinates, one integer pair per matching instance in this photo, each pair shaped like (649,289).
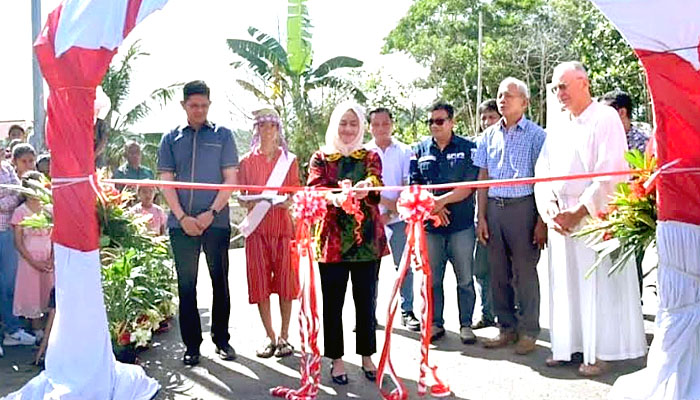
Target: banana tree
(288,75)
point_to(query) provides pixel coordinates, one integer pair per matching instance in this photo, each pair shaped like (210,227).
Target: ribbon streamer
(309,207)
(351,206)
(414,206)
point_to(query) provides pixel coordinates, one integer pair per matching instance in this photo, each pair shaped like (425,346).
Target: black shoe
(409,320)
(190,358)
(226,352)
(340,379)
(370,375)
(483,323)
(436,332)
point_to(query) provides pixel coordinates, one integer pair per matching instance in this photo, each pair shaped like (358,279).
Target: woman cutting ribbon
(350,238)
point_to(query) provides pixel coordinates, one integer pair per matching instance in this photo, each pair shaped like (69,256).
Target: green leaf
(270,43)
(252,89)
(636,159)
(333,64)
(622,260)
(261,58)
(298,36)
(338,84)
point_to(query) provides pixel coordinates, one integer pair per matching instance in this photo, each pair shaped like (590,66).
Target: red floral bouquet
(629,226)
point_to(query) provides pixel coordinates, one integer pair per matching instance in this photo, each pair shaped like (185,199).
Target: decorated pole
(414,206)
(309,207)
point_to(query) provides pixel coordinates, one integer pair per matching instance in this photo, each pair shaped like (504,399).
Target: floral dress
(335,236)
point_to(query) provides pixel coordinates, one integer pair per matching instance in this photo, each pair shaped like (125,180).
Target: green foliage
(117,86)
(629,226)
(298,36)
(522,38)
(138,278)
(288,81)
(383,91)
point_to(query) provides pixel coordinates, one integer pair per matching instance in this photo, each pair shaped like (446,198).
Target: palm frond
(139,111)
(167,94)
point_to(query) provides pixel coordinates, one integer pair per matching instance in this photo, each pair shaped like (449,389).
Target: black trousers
(334,282)
(186,249)
(513,258)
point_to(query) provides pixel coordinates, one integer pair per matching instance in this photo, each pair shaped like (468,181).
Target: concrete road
(472,371)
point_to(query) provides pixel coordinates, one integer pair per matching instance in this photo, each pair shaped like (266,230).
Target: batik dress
(336,235)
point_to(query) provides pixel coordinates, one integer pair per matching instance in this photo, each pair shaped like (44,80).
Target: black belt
(506,201)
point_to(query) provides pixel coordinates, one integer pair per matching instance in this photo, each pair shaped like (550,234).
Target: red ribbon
(351,206)
(445,186)
(414,206)
(309,207)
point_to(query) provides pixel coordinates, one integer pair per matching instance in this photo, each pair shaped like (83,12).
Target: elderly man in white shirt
(395,158)
(599,316)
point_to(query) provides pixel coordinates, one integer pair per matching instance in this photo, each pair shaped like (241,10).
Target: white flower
(141,336)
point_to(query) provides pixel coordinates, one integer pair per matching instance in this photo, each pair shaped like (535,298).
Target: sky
(186,41)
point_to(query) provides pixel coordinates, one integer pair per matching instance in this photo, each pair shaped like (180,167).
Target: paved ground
(472,371)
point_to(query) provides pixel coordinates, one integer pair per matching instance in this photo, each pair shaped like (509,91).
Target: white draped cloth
(673,365)
(80,364)
(601,316)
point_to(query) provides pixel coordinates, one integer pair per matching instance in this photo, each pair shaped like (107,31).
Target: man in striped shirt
(508,222)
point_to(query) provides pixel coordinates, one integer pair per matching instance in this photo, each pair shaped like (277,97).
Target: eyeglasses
(559,87)
(563,86)
(436,121)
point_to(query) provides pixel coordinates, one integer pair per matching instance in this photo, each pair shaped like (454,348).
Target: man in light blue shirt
(508,221)
(396,158)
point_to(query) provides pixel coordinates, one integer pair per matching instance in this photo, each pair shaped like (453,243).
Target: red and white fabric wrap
(74,51)
(665,35)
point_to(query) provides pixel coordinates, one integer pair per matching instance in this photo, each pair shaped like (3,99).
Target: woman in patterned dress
(348,248)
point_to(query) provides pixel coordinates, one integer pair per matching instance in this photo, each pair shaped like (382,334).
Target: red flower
(124,338)
(607,236)
(601,215)
(638,190)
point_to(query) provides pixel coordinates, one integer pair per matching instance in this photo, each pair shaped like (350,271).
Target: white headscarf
(333,142)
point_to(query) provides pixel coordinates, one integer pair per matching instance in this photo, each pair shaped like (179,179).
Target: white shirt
(395,169)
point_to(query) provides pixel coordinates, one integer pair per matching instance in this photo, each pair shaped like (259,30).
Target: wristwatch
(213,211)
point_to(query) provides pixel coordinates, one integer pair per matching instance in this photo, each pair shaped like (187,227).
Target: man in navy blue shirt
(201,152)
(446,158)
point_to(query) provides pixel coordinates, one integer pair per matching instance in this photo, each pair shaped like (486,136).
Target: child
(43,164)
(23,158)
(146,194)
(35,277)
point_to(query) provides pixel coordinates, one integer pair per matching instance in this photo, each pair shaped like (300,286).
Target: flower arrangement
(629,226)
(138,277)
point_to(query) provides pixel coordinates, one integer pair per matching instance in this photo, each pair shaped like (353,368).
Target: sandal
(599,368)
(284,349)
(267,351)
(551,362)
(341,379)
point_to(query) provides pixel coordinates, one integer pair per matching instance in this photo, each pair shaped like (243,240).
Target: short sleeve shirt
(509,153)
(430,165)
(200,157)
